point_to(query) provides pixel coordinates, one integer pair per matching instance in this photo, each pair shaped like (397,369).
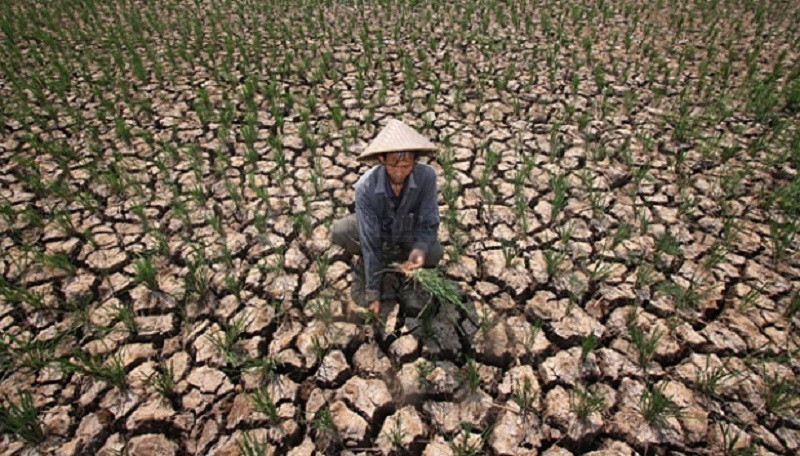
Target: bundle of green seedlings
(439,287)
(441,291)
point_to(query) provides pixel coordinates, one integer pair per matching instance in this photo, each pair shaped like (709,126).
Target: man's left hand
(415,260)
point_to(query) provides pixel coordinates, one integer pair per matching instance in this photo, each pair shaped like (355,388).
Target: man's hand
(375,307)
(415,260)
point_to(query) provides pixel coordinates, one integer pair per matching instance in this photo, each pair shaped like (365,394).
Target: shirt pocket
(409,222)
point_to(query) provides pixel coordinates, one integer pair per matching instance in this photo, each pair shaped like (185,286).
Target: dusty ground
(619,196)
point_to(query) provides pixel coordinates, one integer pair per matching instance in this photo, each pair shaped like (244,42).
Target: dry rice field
(620,208)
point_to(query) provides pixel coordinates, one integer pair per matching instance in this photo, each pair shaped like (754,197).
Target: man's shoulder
(368,179)
(425,172)
(426,167)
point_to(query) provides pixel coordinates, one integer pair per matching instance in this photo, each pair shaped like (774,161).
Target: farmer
(397,214)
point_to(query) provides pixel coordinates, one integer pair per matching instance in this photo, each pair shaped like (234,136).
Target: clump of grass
(794,305)
(396,434)
(730,441)
(323,423)
(710,378)
(587,345)
(470,375)
(123,312)
(267,366)
(645,344)
(112,370)
(319,348)
(250,446)
(228,341)
(424,368)
(26,352)
(524,396)
(145,272)
(486,320)
(780,395)
(656,406)
(442,290)
(463,445)
(530,337)
(22,418)
(263,403)
(584,402)
(163,381)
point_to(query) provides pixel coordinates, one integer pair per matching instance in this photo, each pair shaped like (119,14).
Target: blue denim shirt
(413,224)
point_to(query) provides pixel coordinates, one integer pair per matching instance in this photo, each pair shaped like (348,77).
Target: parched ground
(620,205)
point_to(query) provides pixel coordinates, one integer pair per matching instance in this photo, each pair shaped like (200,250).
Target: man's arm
(428,226)
(369,236)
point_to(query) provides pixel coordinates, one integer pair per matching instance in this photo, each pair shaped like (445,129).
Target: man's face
(399,165)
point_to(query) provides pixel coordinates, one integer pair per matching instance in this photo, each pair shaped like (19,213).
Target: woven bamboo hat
(397,137)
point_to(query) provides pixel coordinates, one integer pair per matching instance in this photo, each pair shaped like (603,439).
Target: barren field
(620,204)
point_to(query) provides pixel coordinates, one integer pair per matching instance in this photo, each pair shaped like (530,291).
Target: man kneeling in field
(397,214)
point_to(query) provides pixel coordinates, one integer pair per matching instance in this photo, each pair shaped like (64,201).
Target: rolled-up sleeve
(427,228)
(369,235)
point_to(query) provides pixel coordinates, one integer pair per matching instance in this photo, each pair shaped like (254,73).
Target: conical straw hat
(397,137)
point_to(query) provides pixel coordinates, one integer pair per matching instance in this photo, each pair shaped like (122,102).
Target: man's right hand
(375,307)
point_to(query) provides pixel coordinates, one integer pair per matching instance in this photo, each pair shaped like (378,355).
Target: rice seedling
(668,244)
(319,348)
(487,320)
(267,365)
(22,418)
(509,250)
(645,345)
(162,380)
(750,298)
(554,261)
(710,378)
(59,261)
(396,434)
(123,312)
(198,275)
(248,445)
(444,291)
(530,337)
(558,184)
(470,375)
(588,344)
(278,265)
(234,284)
(524,396)
(463,445)
(302,219)
(145,272)
(782,236)
(730,441)
(323,422)
(656,407)
(781,395)
(110,370)
(683,297)
(323,263)
(215,221)
(584,402)
(20,295)
(77,313)
(263,403)
(227,341)
(424,369)
(25,352)
(322,308)
(794,306)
